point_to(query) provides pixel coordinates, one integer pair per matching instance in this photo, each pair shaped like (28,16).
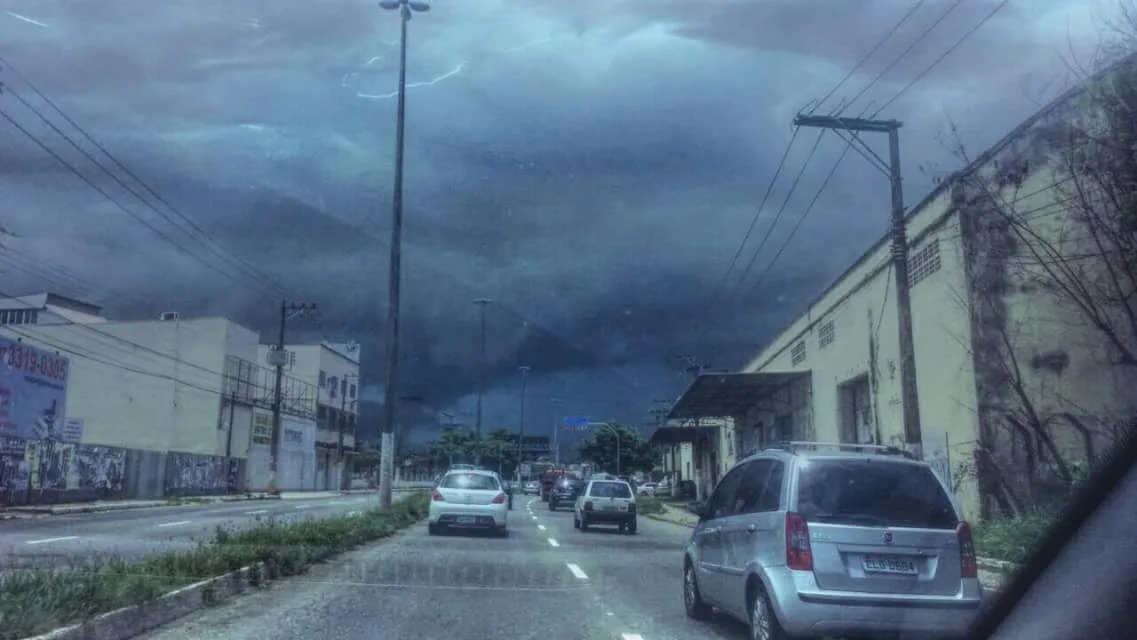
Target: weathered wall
(35,472)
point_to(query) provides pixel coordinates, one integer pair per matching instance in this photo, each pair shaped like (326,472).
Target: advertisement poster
(33,391)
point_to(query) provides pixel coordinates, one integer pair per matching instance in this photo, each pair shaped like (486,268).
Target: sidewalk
(102,506)
(992,573)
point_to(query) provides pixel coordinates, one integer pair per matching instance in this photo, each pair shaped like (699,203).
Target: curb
(135,620)
(659,518)
(996,566)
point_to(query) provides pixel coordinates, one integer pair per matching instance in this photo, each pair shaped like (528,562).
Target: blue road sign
(576,422)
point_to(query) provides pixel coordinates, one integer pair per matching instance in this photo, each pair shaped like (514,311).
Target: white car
(610,502)
(469,499)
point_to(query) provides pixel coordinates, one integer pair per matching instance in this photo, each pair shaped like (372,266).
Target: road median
(109,598)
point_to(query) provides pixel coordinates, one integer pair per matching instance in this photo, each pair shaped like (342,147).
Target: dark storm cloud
(589,165)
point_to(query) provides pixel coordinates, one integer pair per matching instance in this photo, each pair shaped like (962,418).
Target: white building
(166,407)
(1015,382)
(333,370)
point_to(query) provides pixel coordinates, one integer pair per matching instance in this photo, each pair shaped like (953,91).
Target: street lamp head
(414,5)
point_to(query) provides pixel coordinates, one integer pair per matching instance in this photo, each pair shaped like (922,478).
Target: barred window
(797,353)
(924,263)
(826,334)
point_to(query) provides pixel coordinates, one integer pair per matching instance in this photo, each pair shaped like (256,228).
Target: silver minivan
(816,539)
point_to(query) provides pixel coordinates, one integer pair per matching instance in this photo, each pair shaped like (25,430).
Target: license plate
(890,564)
(610,507)
(467,519)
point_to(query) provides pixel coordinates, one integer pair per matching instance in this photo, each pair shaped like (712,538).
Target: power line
(905,53)
(781,210)
(6,116)
(942,56)
(753,221)
(867,56)
(805,214)
(208,241)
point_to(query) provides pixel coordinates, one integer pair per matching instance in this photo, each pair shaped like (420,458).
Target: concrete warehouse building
(1020,354)
(154,408)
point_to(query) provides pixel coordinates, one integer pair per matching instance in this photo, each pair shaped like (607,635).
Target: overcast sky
(589,165)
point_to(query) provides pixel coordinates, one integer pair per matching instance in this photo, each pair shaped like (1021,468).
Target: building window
(323,378)
(19,316)
(924,263)
(343,387)
(825,335)
(797,353)
(333,383)
(353,391)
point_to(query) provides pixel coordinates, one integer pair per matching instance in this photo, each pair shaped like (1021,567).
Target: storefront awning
(680,435)
(721,395)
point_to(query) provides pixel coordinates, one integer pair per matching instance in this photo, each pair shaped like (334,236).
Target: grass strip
(36,600)
(649,505)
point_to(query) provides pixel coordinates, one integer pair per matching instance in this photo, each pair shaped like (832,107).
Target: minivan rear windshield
(873,493)
(474,481)
(610,490)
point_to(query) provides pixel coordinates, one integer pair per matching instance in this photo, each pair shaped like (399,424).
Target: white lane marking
(609,614)
(303,506)
(576,571)
(631,636)
(175,524)
(534,517)
(553,543)
(540,527)
(258,511)
(47,540)
(338,502)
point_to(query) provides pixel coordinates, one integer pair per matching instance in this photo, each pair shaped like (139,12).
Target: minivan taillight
(499,498)
(968,563)
(436,496)
(799,555)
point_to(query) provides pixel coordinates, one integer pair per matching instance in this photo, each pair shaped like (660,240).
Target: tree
(636,454)
(1052,218)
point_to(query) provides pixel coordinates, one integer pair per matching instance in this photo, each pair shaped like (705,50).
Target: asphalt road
(63,539)
(545,581)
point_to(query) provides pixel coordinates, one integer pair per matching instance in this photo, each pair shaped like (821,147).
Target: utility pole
(278,357)
(899,232)
(391,394)
(556,430)
(482,304)
(524,369)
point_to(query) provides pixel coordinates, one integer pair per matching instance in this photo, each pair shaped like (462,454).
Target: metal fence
(253,384)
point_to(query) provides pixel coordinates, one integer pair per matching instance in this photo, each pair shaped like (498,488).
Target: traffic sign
(576,422)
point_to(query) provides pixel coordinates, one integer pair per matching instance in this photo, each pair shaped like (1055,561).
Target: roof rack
(884,450)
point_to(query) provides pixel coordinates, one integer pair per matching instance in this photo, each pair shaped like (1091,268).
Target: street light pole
(614,433)
(524,369)
(482,304)
(556,430)
(391,395)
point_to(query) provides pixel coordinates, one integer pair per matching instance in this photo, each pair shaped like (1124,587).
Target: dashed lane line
(256,512)
(179,523)
(553,542)
(631,636)
(540,527)
(576,571)
(49,540)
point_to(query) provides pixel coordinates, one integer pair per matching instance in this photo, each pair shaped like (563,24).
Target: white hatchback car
(473,499)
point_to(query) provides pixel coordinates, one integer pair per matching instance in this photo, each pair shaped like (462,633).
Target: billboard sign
(33,391)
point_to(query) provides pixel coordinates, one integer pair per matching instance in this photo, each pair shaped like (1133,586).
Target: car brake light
(968,563)
(499,498)
(799,555)
(588,506)
(436,496)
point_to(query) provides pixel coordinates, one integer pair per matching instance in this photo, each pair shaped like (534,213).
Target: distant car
(469,499)
(565,492)
(799,541)
(531,488)
(646,489)
(606,502)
